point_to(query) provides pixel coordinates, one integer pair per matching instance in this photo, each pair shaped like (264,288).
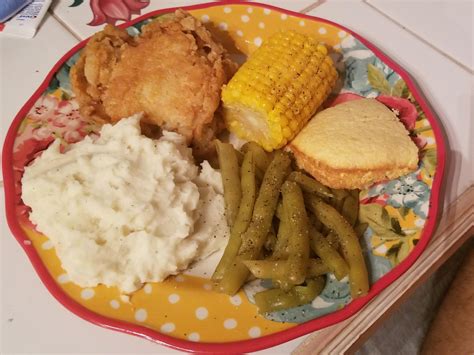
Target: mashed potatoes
(124,209)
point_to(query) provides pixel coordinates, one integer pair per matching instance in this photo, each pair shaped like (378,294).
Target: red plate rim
(244,345)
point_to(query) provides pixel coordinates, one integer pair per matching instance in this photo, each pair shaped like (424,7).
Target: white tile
(77,18)
(447,86)
(447,25)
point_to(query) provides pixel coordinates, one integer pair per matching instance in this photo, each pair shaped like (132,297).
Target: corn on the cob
(274,93)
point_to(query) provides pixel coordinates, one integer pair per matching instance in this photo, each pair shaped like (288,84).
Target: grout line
(64,24)
(439,50)
(312,6)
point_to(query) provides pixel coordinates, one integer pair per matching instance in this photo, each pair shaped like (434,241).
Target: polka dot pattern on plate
(47,245)
(267,11)
(148,288)
(201,313)
(230,323)
(254,332)
(235,300)
(205,18)
(173,298)
(114,304)
(194,336)
(249,10)
(227,10)
(168,327)
(141,315)
(223,26)
(87,293)
(322,30)
(430,140)
(257,41)
(284,16)
(302,23)
(245,18)
(342,34)
(63,278)
(207,287)
(261,25)
(239,33)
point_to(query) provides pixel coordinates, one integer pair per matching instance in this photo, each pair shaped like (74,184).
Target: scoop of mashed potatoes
(124,209)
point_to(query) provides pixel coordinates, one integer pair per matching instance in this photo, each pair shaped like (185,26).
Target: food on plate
(124,209)
(314,231)
(229,164)
(354,144)
(253,239)
(277,299)
(173,72)
(349,242)
(277,90)
(135,209)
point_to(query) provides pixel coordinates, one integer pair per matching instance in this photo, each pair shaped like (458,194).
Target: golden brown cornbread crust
(347,178)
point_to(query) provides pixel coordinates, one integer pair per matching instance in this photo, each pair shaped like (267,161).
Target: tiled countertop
(432,41)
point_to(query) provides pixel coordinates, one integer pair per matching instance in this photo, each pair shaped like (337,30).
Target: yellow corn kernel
(278,89)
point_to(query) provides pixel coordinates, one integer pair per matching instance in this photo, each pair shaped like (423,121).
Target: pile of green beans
(287,227)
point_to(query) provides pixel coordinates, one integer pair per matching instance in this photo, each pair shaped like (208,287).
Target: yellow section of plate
(185,307)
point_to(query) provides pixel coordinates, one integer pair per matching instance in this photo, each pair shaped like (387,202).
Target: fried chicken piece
(173,72)
(91,73)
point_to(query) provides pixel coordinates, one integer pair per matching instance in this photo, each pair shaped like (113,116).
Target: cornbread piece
(355,144)
(274,93)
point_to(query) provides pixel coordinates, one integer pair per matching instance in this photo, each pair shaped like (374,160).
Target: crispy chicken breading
(173,72)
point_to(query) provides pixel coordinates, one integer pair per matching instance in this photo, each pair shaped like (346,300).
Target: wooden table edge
(454,228)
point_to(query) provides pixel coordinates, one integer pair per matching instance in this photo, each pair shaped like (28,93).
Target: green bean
(317,268)
(249,192)
(279,210)
(351,250)
(240,157)
(267,269)
(298,244)
(328,255)
(277,269)
(355,194)
(281,247)
(338,200)
(278,299)
(333,240)
(262,158)
(270,241)
(309,184)
(315,222)
(229,166)
(254,238)
(266,203)
(339,194)
(350,209)
(360,229)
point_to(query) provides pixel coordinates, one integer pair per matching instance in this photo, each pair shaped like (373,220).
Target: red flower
(420,141)
(111,11)
(406,110)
